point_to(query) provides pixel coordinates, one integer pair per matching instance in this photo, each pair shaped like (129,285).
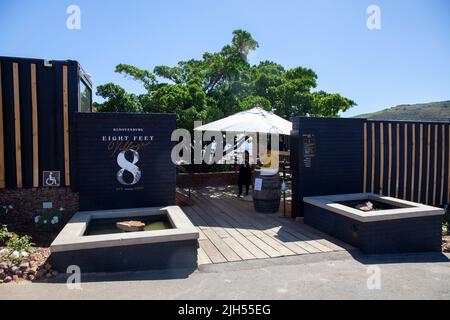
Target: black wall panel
(8,123)
(49,87)
(99,163)
(338,166)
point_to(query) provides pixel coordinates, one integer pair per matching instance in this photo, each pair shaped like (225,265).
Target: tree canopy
(220,84)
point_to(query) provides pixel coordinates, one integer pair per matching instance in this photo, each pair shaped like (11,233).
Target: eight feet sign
(124,160)
(125,145)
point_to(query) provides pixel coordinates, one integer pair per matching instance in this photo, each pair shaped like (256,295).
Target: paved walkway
(230,230)
(336,275)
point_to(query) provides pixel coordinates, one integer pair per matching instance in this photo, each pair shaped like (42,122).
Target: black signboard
(124,160)
(309,149)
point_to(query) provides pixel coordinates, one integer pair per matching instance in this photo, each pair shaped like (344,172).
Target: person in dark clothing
(245,174)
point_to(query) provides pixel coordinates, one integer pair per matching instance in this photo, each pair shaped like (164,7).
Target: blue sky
(407,61)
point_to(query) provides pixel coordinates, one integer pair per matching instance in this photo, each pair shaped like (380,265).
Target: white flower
(56,219)
(24,254)
(61,209)
(36,219)
(15,254)
(10,206)
(45,221)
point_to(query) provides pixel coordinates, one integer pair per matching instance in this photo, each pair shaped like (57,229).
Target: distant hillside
(433,111)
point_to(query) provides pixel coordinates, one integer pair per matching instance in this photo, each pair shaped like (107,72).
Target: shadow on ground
(123,276)
(424,257)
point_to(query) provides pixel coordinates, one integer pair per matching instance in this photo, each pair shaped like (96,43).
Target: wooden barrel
(268,199)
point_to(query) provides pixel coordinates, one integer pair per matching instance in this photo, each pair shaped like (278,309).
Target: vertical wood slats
(17,133)
(66,127)
(405,168)
(23,100)
(427,191)
(389,158)
(397,174)
(2,136)
(421,149)
(441,199)
(435,163)
(34,123)
(365,159)
(381,158)
(448,169)
(372,187)
(413,160)
(419,186)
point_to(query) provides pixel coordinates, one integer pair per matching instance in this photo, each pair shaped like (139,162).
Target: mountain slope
(433,111)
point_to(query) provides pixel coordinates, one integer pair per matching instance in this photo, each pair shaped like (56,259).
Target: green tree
(220,84)
(117,99)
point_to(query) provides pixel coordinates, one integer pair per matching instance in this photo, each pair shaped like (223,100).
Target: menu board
(309,149)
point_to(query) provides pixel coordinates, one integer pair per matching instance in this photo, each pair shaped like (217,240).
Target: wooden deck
(230,230)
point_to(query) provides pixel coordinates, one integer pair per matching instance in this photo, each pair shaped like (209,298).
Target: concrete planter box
(407,227)
(145,250)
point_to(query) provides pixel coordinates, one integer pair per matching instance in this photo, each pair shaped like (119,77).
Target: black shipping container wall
(407,160)
(326,158)
(126,161)
(37,101)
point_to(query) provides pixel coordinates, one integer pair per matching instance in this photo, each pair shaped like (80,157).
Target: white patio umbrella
(250,121)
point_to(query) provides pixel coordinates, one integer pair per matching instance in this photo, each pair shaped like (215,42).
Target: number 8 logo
(128,166)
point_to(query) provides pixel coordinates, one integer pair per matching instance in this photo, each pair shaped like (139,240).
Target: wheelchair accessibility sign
(51,178)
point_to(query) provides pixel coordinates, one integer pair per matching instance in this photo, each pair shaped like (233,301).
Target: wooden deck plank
(274,228)
(250,246)
(210,222)
(202,257)
(312,239)
(290,242)
(262,232)
(224,218)
(230,230)
(240,250)
(211,251)
(230,239)
(319,241)
(239,235)
(223,248)
(280,230)
(267,238)
(271,252)
(195,219)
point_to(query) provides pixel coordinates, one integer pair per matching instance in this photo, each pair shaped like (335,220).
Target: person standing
(245,174)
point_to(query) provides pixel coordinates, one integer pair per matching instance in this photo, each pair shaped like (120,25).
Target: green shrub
(17,244)
(4,235)
(20,244)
